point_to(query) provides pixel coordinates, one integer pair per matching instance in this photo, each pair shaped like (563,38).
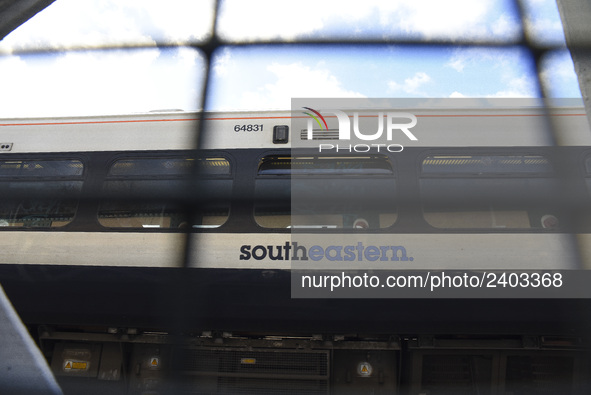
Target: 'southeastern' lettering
(295,252)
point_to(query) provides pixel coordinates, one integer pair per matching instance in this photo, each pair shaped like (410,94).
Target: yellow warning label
(79,365)
(364,369)
(154,362)
(75,365)
(248,361)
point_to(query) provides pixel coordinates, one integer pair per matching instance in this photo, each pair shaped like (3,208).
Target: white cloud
(222,62)
(411,85)
(543,21)
(13,90)
(545,30)
(450,18)
(271,19)
(505,25)
(92,83)
(504,70)
(518,87)
(179,20)
(96,23)
(456,94)
(264,19)
(558,75)
(457,63)
(141,81)
(465,57)
(293,80)
(557,66)
(522,86)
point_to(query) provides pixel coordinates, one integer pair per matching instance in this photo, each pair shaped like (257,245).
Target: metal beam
(576,15)
(14,13)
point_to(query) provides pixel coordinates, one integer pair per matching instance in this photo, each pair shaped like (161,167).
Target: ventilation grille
(215,371)
(317,134)
(540,375)
(467,374)
(457,374)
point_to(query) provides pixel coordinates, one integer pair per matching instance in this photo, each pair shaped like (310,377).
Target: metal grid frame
(214,43)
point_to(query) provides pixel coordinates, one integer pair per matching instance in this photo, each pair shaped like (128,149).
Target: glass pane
(44,213)
(325,166)
(149,187)
(489,192)
(41,168)
(151,167)
(182,167)
(333,192)
(39,193)
(491,218)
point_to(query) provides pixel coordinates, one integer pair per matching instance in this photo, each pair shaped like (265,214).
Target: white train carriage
(500,159)
(140,222)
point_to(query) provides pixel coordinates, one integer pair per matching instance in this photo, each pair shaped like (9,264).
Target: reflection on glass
(315,192)
(489,192)
(54,184)
(143,193)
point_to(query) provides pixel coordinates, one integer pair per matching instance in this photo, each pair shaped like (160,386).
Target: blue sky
(260,77)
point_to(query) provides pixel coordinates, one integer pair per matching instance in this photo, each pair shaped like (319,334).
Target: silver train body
(448,134)
(154,253)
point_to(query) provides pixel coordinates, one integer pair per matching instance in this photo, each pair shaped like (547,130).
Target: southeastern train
(154,253)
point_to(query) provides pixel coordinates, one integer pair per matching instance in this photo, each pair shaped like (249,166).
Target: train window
(485,164)
(175,167)
(485,217)
(40,168)
(39,193)
(342,166)
(489,192)
(318,192)
(143,193)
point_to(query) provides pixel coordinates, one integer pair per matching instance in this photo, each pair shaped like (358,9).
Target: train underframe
(207,331)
